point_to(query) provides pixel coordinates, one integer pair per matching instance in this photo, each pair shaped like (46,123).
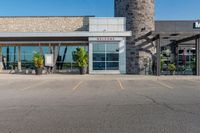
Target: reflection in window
(112,57)
(98,65)
(112,48)
(112,65)
(99,57)
(99,47)
(106,56)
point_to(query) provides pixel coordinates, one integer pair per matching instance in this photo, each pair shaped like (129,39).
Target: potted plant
(162,62)
(81,58)
(38,63)
(172,68)
(193,67)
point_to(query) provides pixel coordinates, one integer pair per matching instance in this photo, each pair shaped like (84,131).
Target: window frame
(105,53)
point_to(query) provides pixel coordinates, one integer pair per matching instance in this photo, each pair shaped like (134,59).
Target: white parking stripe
(7,83)
(34,85)
(165,85)
(77,86)
(120,85)
(194,81)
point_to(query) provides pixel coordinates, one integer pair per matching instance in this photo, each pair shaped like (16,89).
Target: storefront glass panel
(106,56)
(65,60)
(179,60)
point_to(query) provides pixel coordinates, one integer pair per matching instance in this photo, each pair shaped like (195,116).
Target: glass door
(106,56)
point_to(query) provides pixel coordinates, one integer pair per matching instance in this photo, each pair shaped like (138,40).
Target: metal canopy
(168,38)
(178,38)
(173,38)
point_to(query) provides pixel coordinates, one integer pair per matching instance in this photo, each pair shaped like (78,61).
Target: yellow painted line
(120,85)
(33,86)
(77,86)
(165,85)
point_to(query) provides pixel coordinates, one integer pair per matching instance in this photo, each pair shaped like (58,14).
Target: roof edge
(42,16)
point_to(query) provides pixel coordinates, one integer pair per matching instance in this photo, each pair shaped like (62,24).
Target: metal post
(7,57)
(1,59)
(197,41)
(19,58)
(14,57)
(158,51)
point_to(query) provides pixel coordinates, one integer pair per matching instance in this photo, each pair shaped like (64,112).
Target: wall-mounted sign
(197,25)
(49,60)
(105,38)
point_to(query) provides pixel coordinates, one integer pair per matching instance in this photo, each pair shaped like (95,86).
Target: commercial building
(103,38)
(132,42)
(158,47)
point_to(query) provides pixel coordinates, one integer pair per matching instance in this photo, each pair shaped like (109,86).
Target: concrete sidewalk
(98,77)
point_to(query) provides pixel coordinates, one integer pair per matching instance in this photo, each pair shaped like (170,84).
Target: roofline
(176,20)
(42,16)
(66,34)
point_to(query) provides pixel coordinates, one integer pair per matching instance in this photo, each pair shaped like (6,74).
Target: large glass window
(180,60)
(106,56)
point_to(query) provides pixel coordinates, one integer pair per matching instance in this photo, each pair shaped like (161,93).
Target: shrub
(171,68)
(81,57)
(38,60)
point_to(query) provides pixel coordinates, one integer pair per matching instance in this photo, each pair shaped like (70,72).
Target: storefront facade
(179,46)
(103,38)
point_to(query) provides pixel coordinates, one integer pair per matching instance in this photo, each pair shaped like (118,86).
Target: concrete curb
(96,77)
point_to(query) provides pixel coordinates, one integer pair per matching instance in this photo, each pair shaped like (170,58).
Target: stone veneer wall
(140,20)
(43,24)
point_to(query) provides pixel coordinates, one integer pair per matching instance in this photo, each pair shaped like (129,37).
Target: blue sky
(165,9)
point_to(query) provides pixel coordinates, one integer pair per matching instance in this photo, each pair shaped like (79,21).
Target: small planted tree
(81,58)
(171,68)
(162,62)
(38,61)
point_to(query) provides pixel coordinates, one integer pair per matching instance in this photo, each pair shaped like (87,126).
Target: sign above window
(105,38)
(197,25)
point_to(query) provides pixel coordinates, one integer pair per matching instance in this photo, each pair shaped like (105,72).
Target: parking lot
(99,104)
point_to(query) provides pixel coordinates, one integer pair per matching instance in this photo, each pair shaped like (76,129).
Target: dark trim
(188,38)
(158,52)
(197,42)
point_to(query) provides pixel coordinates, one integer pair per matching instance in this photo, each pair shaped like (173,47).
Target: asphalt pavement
(99,105)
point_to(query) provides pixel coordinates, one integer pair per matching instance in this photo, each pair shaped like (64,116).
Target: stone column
(19,59)
(140,20)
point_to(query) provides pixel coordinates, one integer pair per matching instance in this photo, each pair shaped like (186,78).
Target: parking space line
(7,83)
(77,86)
(32,86)
(194,81)
(165,85)
(120,85)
